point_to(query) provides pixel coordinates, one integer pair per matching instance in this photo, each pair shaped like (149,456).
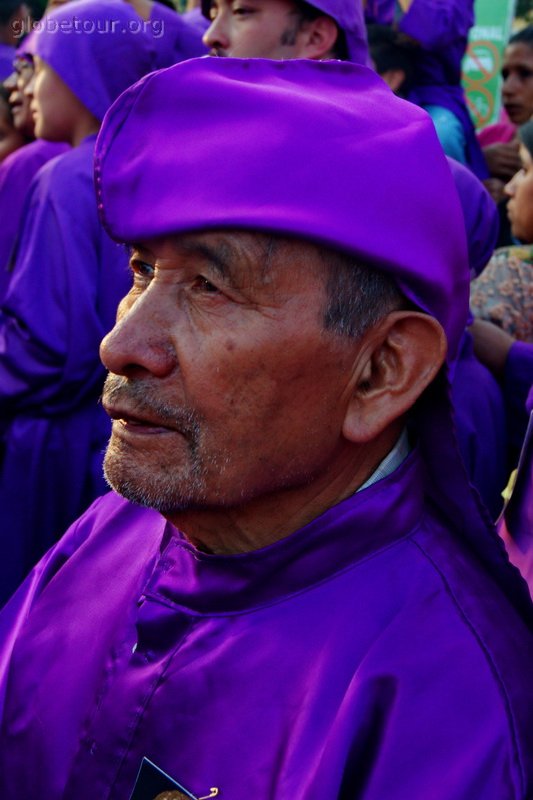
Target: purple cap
(26,48)
(319,150)
(349,16)
(97,47)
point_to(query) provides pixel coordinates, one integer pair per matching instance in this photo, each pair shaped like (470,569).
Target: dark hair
(5,108)
(525,132)
(525,36)
(168,4)
(305,12)
(390,50)
(8,8)
(358,296)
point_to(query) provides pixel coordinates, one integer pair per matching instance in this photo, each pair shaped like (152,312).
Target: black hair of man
(8,8)
(305,13)
(389,50)
(525,36)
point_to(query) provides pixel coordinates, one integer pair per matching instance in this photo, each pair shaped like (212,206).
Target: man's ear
(397,359)
(318,38)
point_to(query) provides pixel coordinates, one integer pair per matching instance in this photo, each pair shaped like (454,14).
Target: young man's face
(517,90)
(254,29)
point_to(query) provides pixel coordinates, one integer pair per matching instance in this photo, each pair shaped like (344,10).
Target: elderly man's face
(224,385)
(254,29)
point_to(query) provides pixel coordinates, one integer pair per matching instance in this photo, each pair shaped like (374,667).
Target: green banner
(483,60)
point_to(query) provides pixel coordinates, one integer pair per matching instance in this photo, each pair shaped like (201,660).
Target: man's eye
(141,268)
(242,11)
(203,285)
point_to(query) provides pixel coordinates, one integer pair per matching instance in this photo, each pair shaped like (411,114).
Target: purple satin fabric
(67,281)
(16,174)
(477,397)
(7,55)
(366,656)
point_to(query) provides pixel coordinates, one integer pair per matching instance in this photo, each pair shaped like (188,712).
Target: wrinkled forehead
(237,255)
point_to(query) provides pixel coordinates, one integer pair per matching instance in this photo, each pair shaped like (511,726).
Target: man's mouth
(130,422)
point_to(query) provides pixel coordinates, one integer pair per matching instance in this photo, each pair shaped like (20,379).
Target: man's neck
(272,517)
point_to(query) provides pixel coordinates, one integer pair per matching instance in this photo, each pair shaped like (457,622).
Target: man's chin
(150,487)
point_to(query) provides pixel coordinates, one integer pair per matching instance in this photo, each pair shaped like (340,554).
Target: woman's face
(520,191)
(20,104)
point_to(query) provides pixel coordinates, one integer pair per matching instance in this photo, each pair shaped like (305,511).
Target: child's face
(55,108)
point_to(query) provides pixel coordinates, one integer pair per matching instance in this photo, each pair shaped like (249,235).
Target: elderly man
(286,29)
(296,596)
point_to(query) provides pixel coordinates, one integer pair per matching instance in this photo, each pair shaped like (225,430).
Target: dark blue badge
(154,784)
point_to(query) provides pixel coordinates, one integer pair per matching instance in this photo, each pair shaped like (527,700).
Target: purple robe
(61,300)
(174,38)
(441,28)
(477,397)
(67,279)
(481,426)
(16,174)
(517,382)
(7,55)
(369,655)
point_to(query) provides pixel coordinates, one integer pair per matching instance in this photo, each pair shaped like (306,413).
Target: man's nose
(510,187)
(28,89)
(217,34)
(140,342)
(510,84)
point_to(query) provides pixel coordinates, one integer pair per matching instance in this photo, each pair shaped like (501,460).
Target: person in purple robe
(18,170)
(282,29)
(14,21)
(513,361)
(477,396)
(441,31)
(507,357)
(292,591)
(66,281)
